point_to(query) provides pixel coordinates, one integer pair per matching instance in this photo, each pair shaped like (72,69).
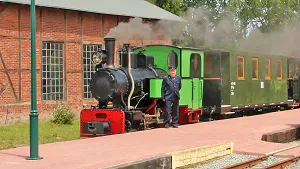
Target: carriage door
(290,79)
(295,90)
(293,77)
(195,74)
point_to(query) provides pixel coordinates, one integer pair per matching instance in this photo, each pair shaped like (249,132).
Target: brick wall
(73,28)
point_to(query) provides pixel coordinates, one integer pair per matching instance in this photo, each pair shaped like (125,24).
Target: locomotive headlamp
(97,57)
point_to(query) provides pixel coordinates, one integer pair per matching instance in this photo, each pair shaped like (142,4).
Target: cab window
(172,59)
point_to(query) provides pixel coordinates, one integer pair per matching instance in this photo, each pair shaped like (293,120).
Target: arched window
(172,59)
(195,65)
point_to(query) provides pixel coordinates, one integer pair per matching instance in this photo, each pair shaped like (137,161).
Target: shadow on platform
(16,155)
(294,125)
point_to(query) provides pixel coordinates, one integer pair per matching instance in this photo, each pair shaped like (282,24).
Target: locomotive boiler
(127,89)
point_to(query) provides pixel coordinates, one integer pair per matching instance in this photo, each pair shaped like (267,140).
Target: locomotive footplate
(133,115)
(138,120)
(133,120)
(96,127)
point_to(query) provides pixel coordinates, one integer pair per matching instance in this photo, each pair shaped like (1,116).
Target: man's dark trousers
(172,107)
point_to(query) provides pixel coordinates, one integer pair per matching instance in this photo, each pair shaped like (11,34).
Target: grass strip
(18,135)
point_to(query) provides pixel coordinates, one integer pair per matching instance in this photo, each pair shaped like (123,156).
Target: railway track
(284,163)
(279,165)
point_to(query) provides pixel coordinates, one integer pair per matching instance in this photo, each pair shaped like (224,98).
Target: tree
(210,24)
(173,6)
(269,26)
(224,23)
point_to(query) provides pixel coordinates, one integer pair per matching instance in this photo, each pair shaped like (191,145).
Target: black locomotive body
(113,84)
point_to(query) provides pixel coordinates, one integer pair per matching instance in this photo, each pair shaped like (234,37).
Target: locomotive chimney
(110,48)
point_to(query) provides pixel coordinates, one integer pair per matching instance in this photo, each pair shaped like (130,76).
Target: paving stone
(246,134)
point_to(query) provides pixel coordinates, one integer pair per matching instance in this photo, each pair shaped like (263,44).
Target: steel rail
(253,162)
(283,163)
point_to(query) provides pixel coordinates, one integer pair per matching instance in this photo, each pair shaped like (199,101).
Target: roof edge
(96,12)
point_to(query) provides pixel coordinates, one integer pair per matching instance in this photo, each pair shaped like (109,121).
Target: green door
(195,74)
(200,88)
(192,69)
(186,94)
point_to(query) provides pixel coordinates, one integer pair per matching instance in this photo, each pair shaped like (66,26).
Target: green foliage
(267,15)
(63,115)
(207,26)
(173,6)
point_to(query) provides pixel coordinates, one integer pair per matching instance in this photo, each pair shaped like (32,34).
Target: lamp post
(34,140)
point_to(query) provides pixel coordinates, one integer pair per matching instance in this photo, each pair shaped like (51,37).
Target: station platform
(245,132)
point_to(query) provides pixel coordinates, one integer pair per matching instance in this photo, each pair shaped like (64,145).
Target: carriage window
(254,68)
(268,69)
(241,68)
(208,65)
(279,69)
(291,70)
(172,59)
(195,65)
(295,75)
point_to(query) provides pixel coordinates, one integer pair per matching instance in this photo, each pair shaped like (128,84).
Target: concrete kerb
(282,136)
(181,158)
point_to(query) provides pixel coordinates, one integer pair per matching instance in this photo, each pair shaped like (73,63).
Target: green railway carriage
(256,81)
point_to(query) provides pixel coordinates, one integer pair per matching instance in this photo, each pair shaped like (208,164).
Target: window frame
(296,68)
(293,70)
(290,70)
(257,68)
(85,51)
(59,82)
(237,67)
(280,61)
(193,57)
(269,75)
(175,56)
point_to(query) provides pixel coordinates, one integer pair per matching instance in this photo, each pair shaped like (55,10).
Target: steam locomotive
(127,88)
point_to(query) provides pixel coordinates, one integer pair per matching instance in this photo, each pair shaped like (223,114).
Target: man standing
(171,86)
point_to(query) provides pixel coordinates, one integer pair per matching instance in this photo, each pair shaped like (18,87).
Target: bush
(63,115)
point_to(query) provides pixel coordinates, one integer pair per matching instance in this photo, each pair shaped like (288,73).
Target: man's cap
(172,67)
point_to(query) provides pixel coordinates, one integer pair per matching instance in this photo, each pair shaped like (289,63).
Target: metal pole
(34,129)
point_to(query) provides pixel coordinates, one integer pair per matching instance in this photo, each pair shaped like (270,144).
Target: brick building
(67,32)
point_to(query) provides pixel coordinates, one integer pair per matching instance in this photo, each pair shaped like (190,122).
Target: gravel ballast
(226,161)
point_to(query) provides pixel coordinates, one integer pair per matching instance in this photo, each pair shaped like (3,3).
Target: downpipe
(131,79)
